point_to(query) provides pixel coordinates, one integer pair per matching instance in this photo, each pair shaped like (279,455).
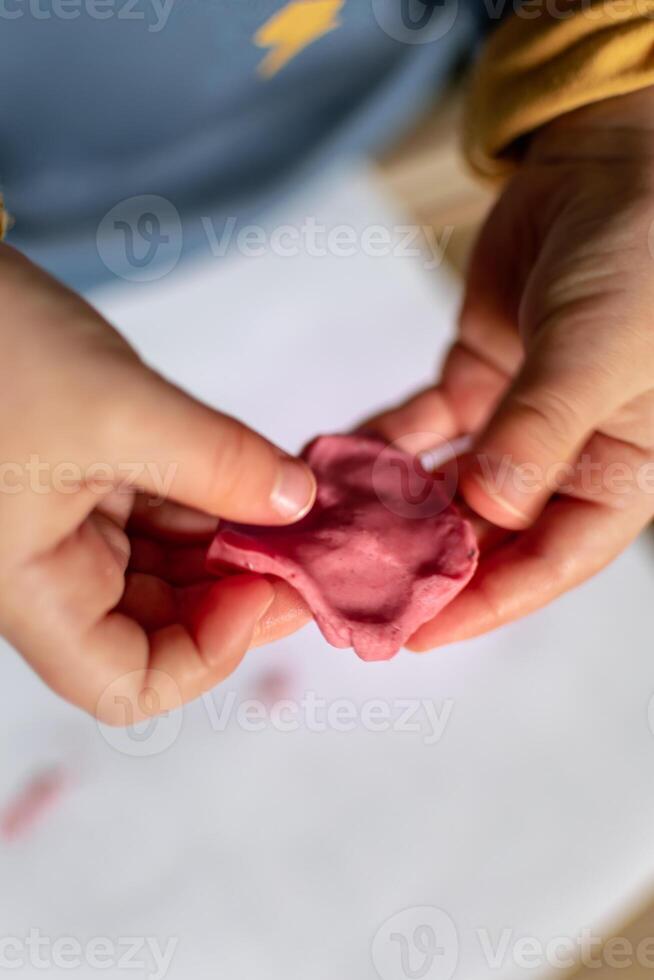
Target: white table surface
(273,855)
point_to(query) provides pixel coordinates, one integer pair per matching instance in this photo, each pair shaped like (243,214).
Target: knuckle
(549,417)
(121,404)
(115,417)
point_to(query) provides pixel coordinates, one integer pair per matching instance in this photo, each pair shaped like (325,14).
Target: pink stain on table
(275,684)
(32,802)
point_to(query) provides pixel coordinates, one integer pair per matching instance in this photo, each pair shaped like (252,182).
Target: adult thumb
(181,449)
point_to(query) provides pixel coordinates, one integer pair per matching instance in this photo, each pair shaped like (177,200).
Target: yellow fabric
(550,57)
(5,219)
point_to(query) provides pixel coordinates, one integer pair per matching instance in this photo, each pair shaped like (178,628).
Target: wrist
(618,130)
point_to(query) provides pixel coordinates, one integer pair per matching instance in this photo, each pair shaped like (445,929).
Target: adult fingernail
(295,490)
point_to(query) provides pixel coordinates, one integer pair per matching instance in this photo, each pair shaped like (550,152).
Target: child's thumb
(528,449)
(181,449)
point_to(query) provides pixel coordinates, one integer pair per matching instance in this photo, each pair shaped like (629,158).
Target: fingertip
(493,490)
(227,617)
(294,491)
(430,636)
(469,615)
(423,421)
(434,635)
(286,614)
(491,505)
(414,645)
(115,539)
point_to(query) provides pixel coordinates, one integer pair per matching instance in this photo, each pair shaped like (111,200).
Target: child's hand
(85,425)
(555,365)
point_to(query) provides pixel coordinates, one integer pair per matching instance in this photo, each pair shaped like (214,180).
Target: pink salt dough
(381,552)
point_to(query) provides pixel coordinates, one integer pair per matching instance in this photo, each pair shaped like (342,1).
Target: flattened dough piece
(381,552)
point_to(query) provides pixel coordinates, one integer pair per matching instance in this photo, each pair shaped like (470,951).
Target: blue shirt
(211,106)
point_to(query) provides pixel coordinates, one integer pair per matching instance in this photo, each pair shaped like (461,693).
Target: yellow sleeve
(548,58)
(5,219)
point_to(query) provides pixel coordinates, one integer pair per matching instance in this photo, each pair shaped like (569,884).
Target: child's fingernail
(118,543)
(506,485)
(503,499)
(295,490)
